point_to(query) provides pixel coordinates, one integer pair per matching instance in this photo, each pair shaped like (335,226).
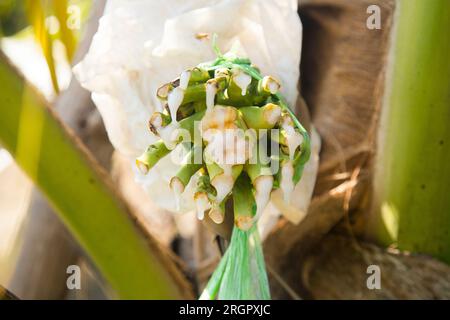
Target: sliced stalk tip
(265,117)
(177,187)
(270,85)
(202,204)
(151,156)
(157,121)
(287,180)
(163,91)
(217,214)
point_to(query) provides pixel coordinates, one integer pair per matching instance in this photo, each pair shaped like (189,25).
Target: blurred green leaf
(66,15)
(82,194)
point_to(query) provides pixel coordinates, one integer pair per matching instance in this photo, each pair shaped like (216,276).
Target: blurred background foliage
(49,37)
(12,17)
(40,37)
(50,22)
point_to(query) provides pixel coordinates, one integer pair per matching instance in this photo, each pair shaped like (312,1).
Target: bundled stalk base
(241,273)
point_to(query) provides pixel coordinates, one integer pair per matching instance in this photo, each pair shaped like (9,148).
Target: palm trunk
(412,177)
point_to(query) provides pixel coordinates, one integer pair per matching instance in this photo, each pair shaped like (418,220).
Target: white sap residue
(287,181)
(177,189)
(184,79)
(293,138)
(263,186)
(169,134)
(202,204)
(211,90)
(227,169)
(242,80)
(272,114)
(174,101)
(271,84)
(223,184)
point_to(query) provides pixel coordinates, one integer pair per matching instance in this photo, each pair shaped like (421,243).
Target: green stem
(186,172)
(190,123)
(158,150)
(215,170)
(185,110)
(199,106)
(197,91)
(204,185)
(194,92)
(265,117)
(257,170)
(278,161)
(243,202)
(199,75)
(157,120)
(197,79)
(217,212)
(151,156)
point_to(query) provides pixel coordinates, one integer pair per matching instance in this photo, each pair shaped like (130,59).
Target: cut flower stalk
(233,97)
(151,156)
(244,203)
(265,117)
(158,50)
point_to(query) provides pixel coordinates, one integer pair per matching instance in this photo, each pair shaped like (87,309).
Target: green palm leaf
(81,193)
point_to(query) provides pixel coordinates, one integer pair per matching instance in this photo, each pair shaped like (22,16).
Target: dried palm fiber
(337,269)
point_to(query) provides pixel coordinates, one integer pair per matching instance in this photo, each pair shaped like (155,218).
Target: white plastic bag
(142,44)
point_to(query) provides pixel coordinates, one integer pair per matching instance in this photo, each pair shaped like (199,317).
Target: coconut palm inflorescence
(242,142)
